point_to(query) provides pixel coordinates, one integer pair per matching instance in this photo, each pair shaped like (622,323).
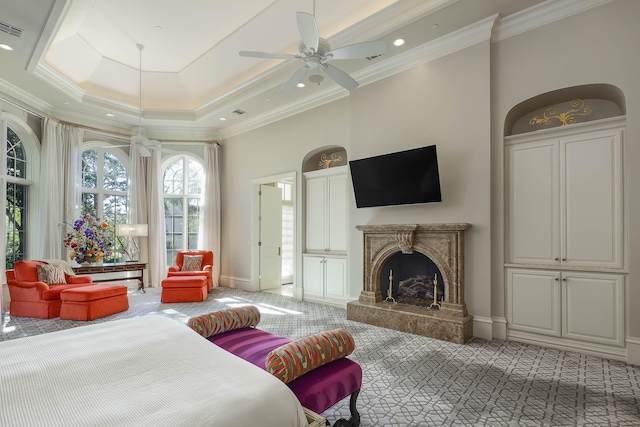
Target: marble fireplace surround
(444,245)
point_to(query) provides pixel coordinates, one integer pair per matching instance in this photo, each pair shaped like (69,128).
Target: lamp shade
(132,230)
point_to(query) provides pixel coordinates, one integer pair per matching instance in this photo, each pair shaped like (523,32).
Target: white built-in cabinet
(326,219)
(325,278)
(326,215)
(565,245)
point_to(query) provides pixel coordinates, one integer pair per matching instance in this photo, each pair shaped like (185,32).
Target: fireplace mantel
(444,245)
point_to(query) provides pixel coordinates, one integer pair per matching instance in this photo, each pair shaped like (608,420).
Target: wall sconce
(131,231)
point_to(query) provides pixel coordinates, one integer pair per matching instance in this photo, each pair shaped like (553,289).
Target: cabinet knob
(557,259)
(564,259)
(564,279)
(556,279)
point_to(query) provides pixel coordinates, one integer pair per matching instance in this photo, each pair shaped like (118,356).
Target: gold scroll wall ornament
(566,118)
(326,162)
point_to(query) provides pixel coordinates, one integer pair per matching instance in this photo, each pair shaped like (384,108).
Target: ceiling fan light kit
(316,53)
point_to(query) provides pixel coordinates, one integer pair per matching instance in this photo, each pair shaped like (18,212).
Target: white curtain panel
(59,198)
(139,187)
(209,232)
(157,267)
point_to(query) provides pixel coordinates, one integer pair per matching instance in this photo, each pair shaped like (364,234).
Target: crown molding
(52,77)
(541,14)
(445,45)
(24,97)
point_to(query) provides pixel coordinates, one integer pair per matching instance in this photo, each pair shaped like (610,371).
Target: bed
(148,370)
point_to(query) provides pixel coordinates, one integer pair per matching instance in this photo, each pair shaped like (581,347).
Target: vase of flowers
(87,240)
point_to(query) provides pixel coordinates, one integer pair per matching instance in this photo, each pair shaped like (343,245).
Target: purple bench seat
(318,389)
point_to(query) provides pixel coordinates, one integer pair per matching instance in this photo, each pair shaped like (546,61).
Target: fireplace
(404,265)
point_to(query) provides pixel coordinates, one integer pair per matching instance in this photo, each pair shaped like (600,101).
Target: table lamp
(131,231)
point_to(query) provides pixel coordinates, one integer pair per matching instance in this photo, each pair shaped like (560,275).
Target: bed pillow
(221,321)
(51,274)
(298,357)
(192,263)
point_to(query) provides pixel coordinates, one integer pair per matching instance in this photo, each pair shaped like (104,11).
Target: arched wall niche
(576,104)
(325,157)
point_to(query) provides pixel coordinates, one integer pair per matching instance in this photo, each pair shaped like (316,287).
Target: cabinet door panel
(592,190)
(313,276)
(337,213)
(534,301)
(335,277)
(316,218)
(593,307)
(533,197)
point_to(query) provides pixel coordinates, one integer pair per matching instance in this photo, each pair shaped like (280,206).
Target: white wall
(599,45)
(271,150)
(459,103)
(444,102)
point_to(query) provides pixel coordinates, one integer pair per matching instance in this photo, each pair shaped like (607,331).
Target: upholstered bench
(184,289)
(317,387)
(93,301)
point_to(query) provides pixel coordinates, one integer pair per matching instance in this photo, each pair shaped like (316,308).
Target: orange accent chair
(206,268)
(31,298)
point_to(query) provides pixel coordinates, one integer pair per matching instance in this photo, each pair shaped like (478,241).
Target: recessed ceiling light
(223,118)
(5,46)
(158,27)
(65,102)
(110,115)
(267,99)
(434,26)
(398,42)
(301,85)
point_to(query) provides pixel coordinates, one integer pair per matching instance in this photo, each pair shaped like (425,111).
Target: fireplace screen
(412,279)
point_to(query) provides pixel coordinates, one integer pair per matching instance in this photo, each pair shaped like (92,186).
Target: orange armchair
(206,268)
(32,298)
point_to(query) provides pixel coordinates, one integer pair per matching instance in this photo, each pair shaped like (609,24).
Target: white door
(316,214)
(313,273)
(593,307)
(533,301)
(591,178)
(270,244)
(335,278)
(533,203)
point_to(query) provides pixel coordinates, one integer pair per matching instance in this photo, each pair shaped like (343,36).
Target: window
(183,180)
(287,232)
(104,193)
(17,188)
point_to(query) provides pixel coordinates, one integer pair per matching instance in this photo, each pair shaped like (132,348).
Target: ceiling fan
(316,54)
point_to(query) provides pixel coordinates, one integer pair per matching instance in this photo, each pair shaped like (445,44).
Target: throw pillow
(298,357)
(192,263)
(51,274)
(221,321)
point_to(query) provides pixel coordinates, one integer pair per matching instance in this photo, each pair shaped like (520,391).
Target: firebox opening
(411,278)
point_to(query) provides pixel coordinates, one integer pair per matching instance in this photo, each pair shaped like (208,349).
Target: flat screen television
(402,178)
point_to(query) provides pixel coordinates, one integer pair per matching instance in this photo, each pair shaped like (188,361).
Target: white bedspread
(146,371)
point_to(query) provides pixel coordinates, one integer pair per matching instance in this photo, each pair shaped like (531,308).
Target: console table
(110,267)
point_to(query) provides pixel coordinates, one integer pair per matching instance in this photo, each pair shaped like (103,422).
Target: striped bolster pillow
(298,357)
(221,321)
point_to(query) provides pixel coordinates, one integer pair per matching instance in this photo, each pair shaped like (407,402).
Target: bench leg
(354,421)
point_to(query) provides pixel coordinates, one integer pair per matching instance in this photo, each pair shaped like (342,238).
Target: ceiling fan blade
(340,77)
(359,50)
(308,30)
(151,142)
(252,54)
(144,151)
(294,79)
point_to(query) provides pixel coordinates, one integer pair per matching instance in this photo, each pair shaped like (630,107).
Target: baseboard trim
(483,327)
(499,328)
(237,283)
(633,351)
(617,353)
